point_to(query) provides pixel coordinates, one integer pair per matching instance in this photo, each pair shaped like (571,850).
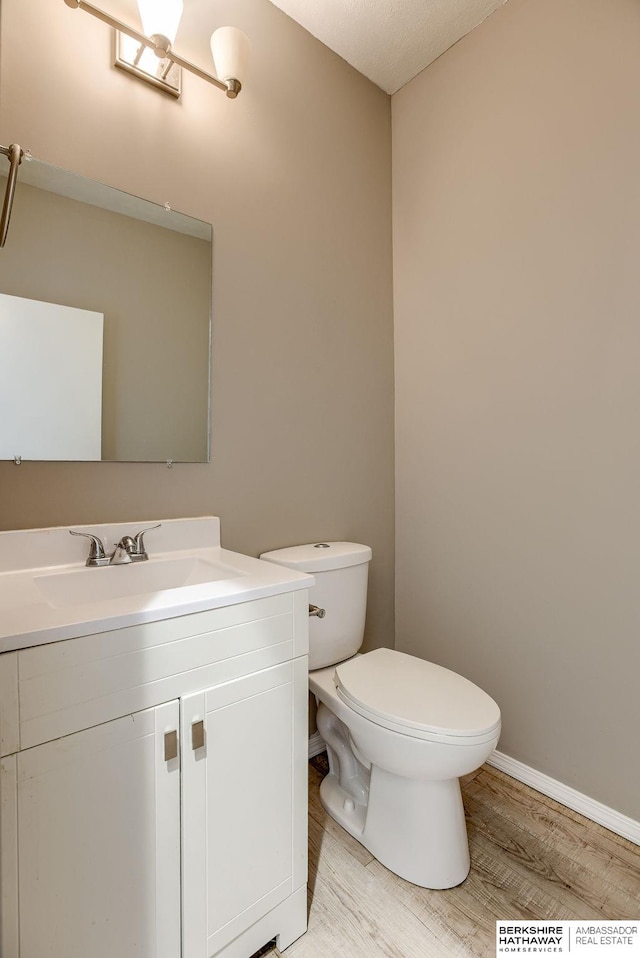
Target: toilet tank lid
(320,556)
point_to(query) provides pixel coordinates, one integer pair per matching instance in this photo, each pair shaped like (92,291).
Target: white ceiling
(389,41)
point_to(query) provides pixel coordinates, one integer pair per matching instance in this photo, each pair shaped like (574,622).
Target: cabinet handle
(197,735)
(170,745)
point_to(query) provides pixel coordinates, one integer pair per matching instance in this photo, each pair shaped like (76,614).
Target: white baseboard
(316,744)
(595,811)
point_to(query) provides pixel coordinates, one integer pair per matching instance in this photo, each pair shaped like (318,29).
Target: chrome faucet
(119,556)
(129,549)
(133,547)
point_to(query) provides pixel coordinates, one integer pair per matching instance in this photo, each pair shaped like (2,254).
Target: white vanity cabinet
(153,787)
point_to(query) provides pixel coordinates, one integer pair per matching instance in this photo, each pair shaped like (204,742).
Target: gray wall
(295,177)
(516,238)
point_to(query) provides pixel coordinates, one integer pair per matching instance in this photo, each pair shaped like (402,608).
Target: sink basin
(80,586)
(47,594)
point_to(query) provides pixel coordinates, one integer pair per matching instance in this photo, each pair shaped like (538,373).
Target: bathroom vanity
(154,748)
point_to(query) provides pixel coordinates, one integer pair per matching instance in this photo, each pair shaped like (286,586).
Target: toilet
(399,731)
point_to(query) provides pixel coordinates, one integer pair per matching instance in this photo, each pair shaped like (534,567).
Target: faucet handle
(137,547)
(97,554)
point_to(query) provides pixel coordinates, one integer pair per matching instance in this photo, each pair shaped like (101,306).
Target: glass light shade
(161,17)
(230,49)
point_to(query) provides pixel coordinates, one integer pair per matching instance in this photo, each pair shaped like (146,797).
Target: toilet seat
(417,698)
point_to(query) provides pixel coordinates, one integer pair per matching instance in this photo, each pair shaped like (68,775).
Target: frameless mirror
(105,325)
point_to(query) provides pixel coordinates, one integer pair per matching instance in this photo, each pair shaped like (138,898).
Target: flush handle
(197,735)
(314,610)
(170,745)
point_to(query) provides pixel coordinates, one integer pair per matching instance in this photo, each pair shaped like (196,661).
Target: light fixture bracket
(141,61)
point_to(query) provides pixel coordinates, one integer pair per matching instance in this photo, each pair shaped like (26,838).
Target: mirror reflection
(105,303)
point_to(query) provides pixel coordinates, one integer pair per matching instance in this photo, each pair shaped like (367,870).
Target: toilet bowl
(399,795)
(399,730)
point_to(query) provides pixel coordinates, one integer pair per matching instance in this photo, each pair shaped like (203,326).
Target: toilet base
(416,829)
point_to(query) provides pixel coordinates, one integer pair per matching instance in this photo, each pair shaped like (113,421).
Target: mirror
(105,325)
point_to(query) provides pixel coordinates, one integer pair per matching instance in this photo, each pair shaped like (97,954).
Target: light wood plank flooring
(530,858)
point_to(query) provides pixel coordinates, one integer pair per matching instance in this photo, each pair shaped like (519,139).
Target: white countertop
(28,617)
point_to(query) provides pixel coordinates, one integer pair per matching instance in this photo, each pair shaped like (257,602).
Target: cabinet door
(237,793)
(98,838)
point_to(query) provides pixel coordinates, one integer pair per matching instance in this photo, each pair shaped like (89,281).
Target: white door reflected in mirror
(50,380)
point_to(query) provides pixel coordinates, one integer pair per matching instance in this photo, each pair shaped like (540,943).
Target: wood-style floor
(531,858)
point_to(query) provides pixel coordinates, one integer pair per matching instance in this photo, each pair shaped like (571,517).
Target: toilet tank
(340,570)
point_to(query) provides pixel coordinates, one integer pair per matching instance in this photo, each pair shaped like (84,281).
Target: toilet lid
(401,691)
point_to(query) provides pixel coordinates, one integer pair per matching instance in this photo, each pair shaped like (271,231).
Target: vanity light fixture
(150,55)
